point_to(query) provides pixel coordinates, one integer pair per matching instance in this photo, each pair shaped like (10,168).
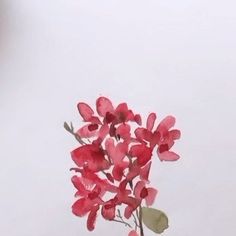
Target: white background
(172,57)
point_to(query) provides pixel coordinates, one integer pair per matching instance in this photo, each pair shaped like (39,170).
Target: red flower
(162,136)
(117,154)
(109,209)
(123,196)
(89,203)
(104,106)
(85,111)
(166,138)
(119,115)
(90,155)
(90,179)
(137,170)
(141,192)
(142,152)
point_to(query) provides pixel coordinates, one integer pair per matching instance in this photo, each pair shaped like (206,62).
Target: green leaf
(154,219)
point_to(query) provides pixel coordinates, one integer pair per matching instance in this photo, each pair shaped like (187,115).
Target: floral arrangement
(113,162)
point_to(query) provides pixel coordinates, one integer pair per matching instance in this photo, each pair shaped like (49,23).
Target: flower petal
(92,218)
(103,132)
(123,114)
(86,132)
(138,188)
(150,198)
(132,204)
(104,105)
(143,134)
(134,170)
(168,156)
(95,120)
(90,155)
(175,134)
(110,117)
(82,191)
(116,153)
(151,121)
(81,207)
(128,212)
(138,119)
(144,172)
(92,127)
(85,110)
(167,123)
(123,130)
(108,209)
(142,152)
(118,170)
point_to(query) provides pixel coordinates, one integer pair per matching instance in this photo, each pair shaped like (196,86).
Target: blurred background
(171,57)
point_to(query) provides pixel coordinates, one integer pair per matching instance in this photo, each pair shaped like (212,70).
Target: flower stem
(140,221)
(135,222)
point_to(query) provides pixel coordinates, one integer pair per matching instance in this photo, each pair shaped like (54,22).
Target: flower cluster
(113,161)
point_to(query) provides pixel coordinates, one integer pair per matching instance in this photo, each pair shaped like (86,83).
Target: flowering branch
(116,161)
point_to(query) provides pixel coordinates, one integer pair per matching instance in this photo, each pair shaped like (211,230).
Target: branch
(70,129)
(136,222)
(121,219)
(123,222)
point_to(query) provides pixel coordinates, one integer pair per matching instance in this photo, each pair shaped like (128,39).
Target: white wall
(172,57)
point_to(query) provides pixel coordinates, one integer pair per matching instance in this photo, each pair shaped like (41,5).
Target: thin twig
(70,129)
(135,222)
(140,221)
(137,213)
(123,222)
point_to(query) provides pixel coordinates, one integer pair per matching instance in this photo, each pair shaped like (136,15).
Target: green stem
(140,221)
